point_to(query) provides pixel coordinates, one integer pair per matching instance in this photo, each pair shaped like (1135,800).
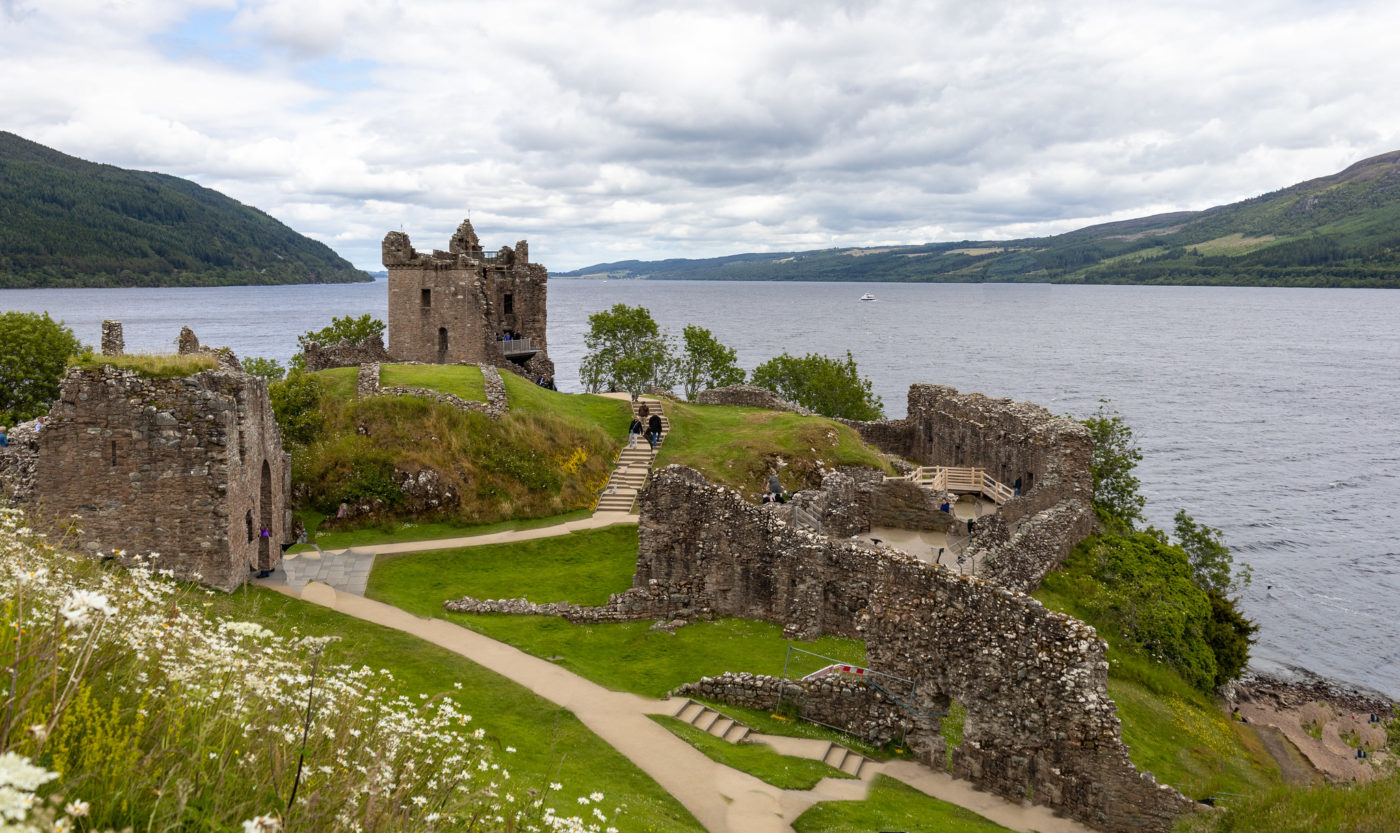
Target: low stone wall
(844,702)
(749,396)
(18,461)
(495,406)
(346,354)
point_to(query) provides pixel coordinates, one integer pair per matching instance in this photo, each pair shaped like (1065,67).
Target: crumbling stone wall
(844,702)
(1034,682)
(112,342)
(496,404)
(749,396)
(1034,532)
(18,461)
(345,353)
(454,306)
(191,468)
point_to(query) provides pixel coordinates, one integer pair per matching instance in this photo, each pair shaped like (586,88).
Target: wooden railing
(803,519)
(960,480)
(517,347)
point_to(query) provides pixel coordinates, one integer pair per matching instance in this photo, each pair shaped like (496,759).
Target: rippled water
(1265,412)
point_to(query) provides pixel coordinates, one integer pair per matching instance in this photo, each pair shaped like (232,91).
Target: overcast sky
(606,131)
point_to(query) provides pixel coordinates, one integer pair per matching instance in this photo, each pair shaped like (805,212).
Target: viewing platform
(960,481)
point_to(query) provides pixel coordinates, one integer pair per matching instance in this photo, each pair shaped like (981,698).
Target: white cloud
(622,128)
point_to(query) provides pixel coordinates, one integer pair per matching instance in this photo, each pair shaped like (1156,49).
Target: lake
(1265,412)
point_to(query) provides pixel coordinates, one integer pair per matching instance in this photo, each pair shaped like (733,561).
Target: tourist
(633,431)
(654,430)
(4,438)
(775,491)
(1017,486)
(38,425)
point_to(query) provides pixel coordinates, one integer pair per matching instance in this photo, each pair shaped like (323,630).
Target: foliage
(296,404)
(161,716)
(1229,634)
(785,772)
(1370,807)
(74,223)
(830,387)
(1116,499)
(740,447)
(152,365)
(1211,561)
(626,351)
(269,369)
(34,352)
(892,805)
(705,363)
(343,328)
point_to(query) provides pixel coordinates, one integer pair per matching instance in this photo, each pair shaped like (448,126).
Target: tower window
(509,303)
(427,298)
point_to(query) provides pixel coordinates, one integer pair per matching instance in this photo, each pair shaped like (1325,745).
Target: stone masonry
(456,306)
(345,354)
(191,468)
(112,342)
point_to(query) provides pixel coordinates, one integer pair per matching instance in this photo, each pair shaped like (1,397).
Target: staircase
(632,467)
(830,753)
(845,760)
(708,720)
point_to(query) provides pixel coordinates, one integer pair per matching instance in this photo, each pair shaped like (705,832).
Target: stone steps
(845,760)
(632,468)
(712,722)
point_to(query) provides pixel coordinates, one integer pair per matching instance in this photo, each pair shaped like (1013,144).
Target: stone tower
(459,306)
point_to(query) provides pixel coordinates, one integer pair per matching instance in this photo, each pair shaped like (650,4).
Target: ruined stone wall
(191,468)
(844,702)
(345,354)
(497,404)
(1034,681)
(1034,532)
(453,307)
(748,396)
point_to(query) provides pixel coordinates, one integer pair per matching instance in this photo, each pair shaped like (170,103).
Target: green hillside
(1338,230)
(67,222)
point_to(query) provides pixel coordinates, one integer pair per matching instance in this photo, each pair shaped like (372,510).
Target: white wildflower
(77,809)
(262,824)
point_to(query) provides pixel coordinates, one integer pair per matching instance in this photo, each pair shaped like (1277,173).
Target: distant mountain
(68,222)
(1339,230)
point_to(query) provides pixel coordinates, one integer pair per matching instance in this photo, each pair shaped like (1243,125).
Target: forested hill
(1339,230)
(68,222)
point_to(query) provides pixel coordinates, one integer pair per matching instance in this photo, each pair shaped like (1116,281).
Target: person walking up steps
(633,430)
(654,430)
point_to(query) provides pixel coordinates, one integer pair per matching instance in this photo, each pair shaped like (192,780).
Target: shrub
(830,387)
(34,352)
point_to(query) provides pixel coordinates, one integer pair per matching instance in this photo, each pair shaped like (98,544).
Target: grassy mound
(892,805)
(151,365)
(739,447)
(1330,808)
(549,455)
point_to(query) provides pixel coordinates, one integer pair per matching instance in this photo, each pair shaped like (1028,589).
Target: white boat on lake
(867,297)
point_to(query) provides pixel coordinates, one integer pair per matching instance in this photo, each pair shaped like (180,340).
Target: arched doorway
(442,345)
(265,519)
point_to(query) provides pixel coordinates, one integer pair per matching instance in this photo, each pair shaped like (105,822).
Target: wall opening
(509,304)
(442,345)
(248,522)
(426,300)
(114,453)
(265,519)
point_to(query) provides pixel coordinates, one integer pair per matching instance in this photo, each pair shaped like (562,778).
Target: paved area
(722,799)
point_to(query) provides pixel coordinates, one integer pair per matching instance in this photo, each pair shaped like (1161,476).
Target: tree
(269,369)
(831,387)
(296,405)
(341,328)
(626,351)
(1211,561)
(705,363)
(34,353)
(1116,498)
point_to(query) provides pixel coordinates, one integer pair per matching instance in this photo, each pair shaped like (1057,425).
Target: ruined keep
(457,306)
(191,468)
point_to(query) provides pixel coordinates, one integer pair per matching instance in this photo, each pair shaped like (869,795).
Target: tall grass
(132,707)
(153,365)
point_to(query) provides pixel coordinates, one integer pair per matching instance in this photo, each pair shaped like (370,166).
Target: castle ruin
(467,305)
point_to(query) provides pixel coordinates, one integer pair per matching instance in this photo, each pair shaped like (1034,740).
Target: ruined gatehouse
(467,305)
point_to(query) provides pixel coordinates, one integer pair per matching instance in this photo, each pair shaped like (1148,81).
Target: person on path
(654,430)
(775,491)
(4,437)
(633,430)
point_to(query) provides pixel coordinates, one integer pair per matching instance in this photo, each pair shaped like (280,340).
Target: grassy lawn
(739,447)
(393,532)
(1174,731)
(584,568)
(551,744)
(1329,808)
(892,805)
(462,381)
(527,398)
(338,382)
(783,771)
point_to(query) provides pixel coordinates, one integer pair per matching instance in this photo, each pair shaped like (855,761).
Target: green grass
(739,447)
(1357,808)
(762,762)
(338,382)
(551,743)
(584,568)
(1173,730)
(462,381)
(152,365)
(394,532)
(611,415)
(891,805)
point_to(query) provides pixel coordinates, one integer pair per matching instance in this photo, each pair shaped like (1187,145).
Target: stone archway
(265,519)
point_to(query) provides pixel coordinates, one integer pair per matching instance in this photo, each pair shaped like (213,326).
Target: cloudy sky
(637,129)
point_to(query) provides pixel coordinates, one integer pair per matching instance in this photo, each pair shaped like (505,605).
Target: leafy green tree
(296,404)
(269,369)
(831,387)
(1116,454)
(705,363)
(1211,561)
(341,328)
(626,351)
(34,352)
(1229,634)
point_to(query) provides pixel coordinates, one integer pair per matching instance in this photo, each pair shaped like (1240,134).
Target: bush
(296,404)
(830,387)
(34,353)
(1116,499)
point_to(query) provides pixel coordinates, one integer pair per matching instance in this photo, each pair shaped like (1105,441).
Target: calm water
(1268,413)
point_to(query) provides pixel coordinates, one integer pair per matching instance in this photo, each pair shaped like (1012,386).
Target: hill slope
(1338,230)
(68,222)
